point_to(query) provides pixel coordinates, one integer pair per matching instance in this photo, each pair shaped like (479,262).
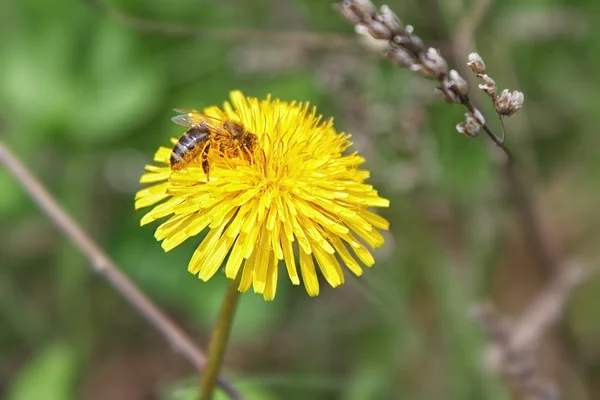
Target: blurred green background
(86,96)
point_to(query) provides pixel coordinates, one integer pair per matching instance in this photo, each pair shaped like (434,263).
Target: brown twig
(105,267)
(511,344)
(466,101)
(517,364)
(407,50)
(545,260)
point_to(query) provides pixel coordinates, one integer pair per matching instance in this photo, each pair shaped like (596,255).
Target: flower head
(297,193)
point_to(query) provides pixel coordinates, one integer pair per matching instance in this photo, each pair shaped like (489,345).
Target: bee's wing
(190,118)
(187,118)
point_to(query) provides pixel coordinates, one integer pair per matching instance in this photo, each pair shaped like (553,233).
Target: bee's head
(235,129)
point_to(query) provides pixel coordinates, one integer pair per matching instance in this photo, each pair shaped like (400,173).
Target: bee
(228,137)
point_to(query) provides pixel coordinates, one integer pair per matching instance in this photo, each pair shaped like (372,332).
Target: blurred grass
(86,100)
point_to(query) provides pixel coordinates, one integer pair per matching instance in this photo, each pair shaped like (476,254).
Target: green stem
(219,339)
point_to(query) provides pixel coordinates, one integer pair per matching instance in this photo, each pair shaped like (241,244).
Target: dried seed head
(401,57)
(470,127)
(423,70)
(446,94)
(478,116)
(410,41)
(508,103)
(517,99)
(434,61)
(458,83)
(348,12)
(391,20)
(364,7)
(416,44)
(467,130)
(401,40)
(489,86)
(379,30)
(362,29)
(476,64)
(502,102)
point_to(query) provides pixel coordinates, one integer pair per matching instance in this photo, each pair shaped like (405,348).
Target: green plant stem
(219,339)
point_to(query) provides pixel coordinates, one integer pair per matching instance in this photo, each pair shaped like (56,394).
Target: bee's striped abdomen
(189,145)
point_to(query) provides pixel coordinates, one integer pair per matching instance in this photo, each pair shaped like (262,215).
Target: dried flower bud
(364,7)
(410,41)
(416,44)
(467,130)
(401,57)
(508,103)
(447,95)
(502,102)
(489,86)
(458,83)
(348,12)
(378,30)
(391,20)
(476,64)
(478,116)
(518,98)
(423,70)
(362,29)
(401,40)
(434,61)
(470,127)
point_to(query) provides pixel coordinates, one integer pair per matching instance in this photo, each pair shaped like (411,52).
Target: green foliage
(189,391)
(49,376)
(80,88)
(11,197)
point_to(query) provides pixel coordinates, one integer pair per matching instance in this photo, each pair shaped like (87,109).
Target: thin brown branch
(463,41)
(545,260)
(466,101)
(512,343)
(547,309)
(517,364)
(406,49)
(180,342)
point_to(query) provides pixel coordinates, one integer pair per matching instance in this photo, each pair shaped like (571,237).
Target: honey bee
(228,137)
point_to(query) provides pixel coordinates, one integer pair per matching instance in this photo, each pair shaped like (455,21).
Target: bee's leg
(249,145)
(204,158)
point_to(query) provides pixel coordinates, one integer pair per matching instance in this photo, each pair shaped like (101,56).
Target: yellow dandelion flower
(296,194)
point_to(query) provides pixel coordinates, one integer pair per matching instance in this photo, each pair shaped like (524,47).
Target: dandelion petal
(295,198)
